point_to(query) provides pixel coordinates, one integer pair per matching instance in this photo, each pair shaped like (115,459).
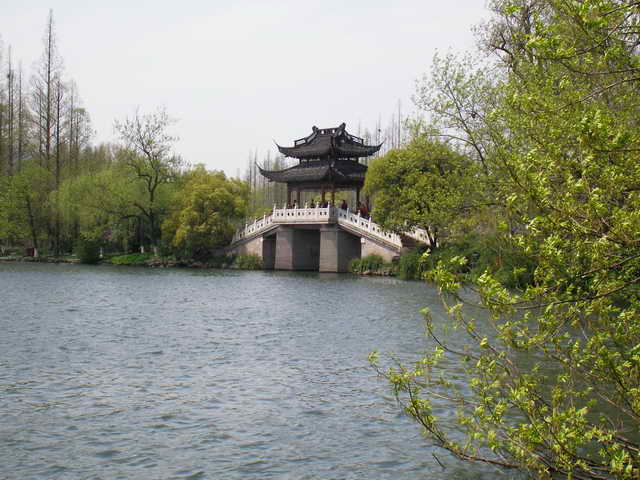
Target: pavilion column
(323,192)
(357,197)
(333,194)
(288,195)
(298,197)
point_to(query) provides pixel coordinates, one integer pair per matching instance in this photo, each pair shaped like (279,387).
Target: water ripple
(133,373)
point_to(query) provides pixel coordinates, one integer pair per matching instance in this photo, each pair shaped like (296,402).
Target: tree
(100,202)
(25,204)
(45,88)
(569,143)
(427,185)
(208,209)
(148,154)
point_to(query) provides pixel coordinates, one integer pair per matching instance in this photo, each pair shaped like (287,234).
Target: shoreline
(159,263)
(154,263)
(38,260)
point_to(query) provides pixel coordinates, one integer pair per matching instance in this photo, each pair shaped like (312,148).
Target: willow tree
(565,135)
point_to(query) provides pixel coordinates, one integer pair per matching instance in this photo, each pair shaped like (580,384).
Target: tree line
(57,190)
(44,127)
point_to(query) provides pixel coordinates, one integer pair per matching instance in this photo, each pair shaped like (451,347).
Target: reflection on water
(140,373)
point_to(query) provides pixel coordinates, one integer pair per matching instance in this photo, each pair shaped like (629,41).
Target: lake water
(116,372)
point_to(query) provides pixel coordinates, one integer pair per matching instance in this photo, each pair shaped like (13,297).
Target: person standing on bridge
(364,211)
(344,205)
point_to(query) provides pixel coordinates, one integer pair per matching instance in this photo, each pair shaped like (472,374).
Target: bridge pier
(269,252)
(337,249)
(297,249)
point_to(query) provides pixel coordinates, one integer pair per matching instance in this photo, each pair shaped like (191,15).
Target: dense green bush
(131,259)
(220,261)
(88,250)
(410,265)
(248,262)
(370,263)
(493,253)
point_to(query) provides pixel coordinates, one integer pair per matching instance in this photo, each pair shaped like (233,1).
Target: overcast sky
(239,74)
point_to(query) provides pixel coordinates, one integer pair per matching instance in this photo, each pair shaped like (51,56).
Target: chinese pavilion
(328,162)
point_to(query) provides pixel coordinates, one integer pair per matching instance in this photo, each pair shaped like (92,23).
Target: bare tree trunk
(20,121)
(32,222)
(10,113)
(58,164)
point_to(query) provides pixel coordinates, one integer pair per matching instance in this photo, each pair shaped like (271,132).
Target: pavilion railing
(319,215)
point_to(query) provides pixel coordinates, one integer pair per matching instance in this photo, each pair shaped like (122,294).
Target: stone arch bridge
(318,239)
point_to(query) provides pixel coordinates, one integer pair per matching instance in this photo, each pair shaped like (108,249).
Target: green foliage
(371,264)
(492,253)
(247,262)
(25,204)
(354,266)
(559,142)
(206,212)
(410,265)
(151,165)
(136,259)
(100,202)
(427,185)
(88,250)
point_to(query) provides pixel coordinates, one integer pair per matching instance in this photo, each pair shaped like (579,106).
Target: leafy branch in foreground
(552,377)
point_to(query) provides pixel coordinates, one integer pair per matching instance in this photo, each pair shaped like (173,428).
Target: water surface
(116,372)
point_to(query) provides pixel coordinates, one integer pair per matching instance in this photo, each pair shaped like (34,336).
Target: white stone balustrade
(365,225)
(317,215)
(257,226)
(420,235)
(303,215)
(323,215)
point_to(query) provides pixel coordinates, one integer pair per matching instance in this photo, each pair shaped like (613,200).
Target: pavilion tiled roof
(335,171)
(333,143)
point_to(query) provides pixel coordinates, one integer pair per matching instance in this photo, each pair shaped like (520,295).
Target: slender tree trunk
(11,114)
(57,169)
(49,90)
(20,121)
(32,222)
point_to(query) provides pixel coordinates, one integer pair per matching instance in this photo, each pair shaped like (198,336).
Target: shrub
(131,259)
(220,261)
(248,262)
(354,265)
(88,250)
(492,253)
(370,263)
(410,266)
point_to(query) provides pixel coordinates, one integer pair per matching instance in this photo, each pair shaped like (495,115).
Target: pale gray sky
(239,74)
